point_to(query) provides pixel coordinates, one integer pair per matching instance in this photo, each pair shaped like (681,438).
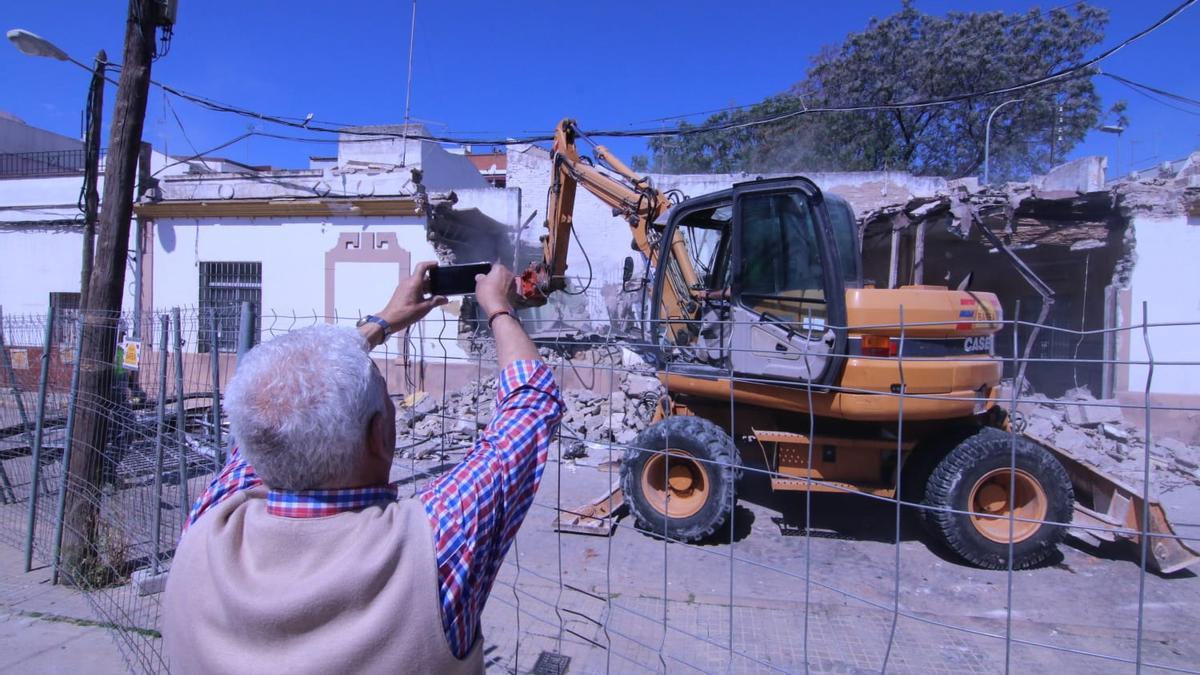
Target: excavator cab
(773,259)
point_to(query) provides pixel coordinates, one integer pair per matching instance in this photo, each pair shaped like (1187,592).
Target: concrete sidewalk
(49,629)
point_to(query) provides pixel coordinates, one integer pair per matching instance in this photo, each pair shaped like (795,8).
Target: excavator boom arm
(635,200)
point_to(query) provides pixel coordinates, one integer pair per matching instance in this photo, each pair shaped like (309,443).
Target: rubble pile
(1094,431)
(428,427)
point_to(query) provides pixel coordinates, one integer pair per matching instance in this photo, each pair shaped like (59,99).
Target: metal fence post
(61,508)
(161,412)
(245,330)
(214,346)
(36,472)
(245,344)
(180,417)
(5,483)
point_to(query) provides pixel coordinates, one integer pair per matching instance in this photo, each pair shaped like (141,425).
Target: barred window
(224,286)
(65,307)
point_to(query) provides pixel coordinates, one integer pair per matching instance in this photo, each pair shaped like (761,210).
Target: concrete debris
(1114,432)
(1093,413)
(632,360)
(1073,423)
(428,428)
(640,385)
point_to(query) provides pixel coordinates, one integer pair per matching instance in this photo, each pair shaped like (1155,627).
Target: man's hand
(496,290)
(409,304)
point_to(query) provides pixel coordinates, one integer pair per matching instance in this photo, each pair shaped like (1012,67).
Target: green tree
(906,57)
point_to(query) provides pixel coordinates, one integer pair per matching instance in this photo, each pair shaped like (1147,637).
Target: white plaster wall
(1166,277)
(39,254)
(292,254)
(502,204)
(38,193)
(444,171)
(34,264)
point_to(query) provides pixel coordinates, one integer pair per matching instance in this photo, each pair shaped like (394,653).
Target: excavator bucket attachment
(1107,510)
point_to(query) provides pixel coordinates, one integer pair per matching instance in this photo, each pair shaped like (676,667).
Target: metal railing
(45,163)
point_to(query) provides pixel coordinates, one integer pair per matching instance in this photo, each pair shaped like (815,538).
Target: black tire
(950,485)
(919,466)
(716,457)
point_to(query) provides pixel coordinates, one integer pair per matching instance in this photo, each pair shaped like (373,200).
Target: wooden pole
(81,558)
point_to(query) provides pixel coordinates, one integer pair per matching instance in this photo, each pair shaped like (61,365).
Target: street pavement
(46,628)
(774,600)
(764,598)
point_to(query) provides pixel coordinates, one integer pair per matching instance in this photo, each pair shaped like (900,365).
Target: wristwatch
(382,323)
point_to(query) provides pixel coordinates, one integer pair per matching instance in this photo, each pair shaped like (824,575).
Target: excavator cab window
(845,236)
(706,233)
(788,304)
(781,270)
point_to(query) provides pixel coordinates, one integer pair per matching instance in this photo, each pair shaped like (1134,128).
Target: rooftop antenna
(412,34)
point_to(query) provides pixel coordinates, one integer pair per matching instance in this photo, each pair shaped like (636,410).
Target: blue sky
(507,69)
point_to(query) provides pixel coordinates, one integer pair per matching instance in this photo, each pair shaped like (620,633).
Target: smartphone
(456,279)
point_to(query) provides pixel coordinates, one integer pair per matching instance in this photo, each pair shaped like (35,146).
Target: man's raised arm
(477,507)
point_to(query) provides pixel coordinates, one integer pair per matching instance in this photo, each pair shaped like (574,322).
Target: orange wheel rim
(675,484)
(993,500)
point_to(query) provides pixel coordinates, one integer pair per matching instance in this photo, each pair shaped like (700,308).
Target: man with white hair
(300,558)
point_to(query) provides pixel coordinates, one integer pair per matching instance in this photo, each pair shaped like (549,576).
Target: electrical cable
(1149,92)
(1061,74)
(739,108)
(1078,70)
(185,134)
(198,155)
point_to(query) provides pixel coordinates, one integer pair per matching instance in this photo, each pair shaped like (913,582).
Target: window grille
(224,286)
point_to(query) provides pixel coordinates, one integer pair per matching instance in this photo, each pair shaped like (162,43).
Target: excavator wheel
(678,478)
(971,496)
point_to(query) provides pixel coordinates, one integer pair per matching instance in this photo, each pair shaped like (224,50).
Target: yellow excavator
(768,341)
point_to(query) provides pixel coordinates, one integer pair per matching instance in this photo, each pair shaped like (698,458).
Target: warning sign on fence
(20,359)
(131,354)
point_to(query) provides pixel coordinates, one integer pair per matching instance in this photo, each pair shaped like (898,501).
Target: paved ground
(770,600)
(756,606)
(49,629)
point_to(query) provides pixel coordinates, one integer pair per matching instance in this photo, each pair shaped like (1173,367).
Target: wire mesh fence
(700,511)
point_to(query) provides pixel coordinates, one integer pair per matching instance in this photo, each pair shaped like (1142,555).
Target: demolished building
(1103,249)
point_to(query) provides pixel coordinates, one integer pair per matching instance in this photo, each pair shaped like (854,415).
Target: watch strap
(382,323)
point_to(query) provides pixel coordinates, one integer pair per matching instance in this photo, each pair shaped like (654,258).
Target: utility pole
(91,170)
(105,289)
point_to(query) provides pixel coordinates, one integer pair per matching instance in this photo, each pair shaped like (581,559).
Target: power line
(739,108)
(211,150)
(184,132)
(1149,92)
(1065,73)
(1078,70)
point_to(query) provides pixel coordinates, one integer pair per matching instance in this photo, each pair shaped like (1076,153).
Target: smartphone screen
(456,279)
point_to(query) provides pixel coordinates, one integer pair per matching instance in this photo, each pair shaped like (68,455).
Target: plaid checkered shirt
(475,509)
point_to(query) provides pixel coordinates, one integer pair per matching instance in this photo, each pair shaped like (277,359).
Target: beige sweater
(354,592)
